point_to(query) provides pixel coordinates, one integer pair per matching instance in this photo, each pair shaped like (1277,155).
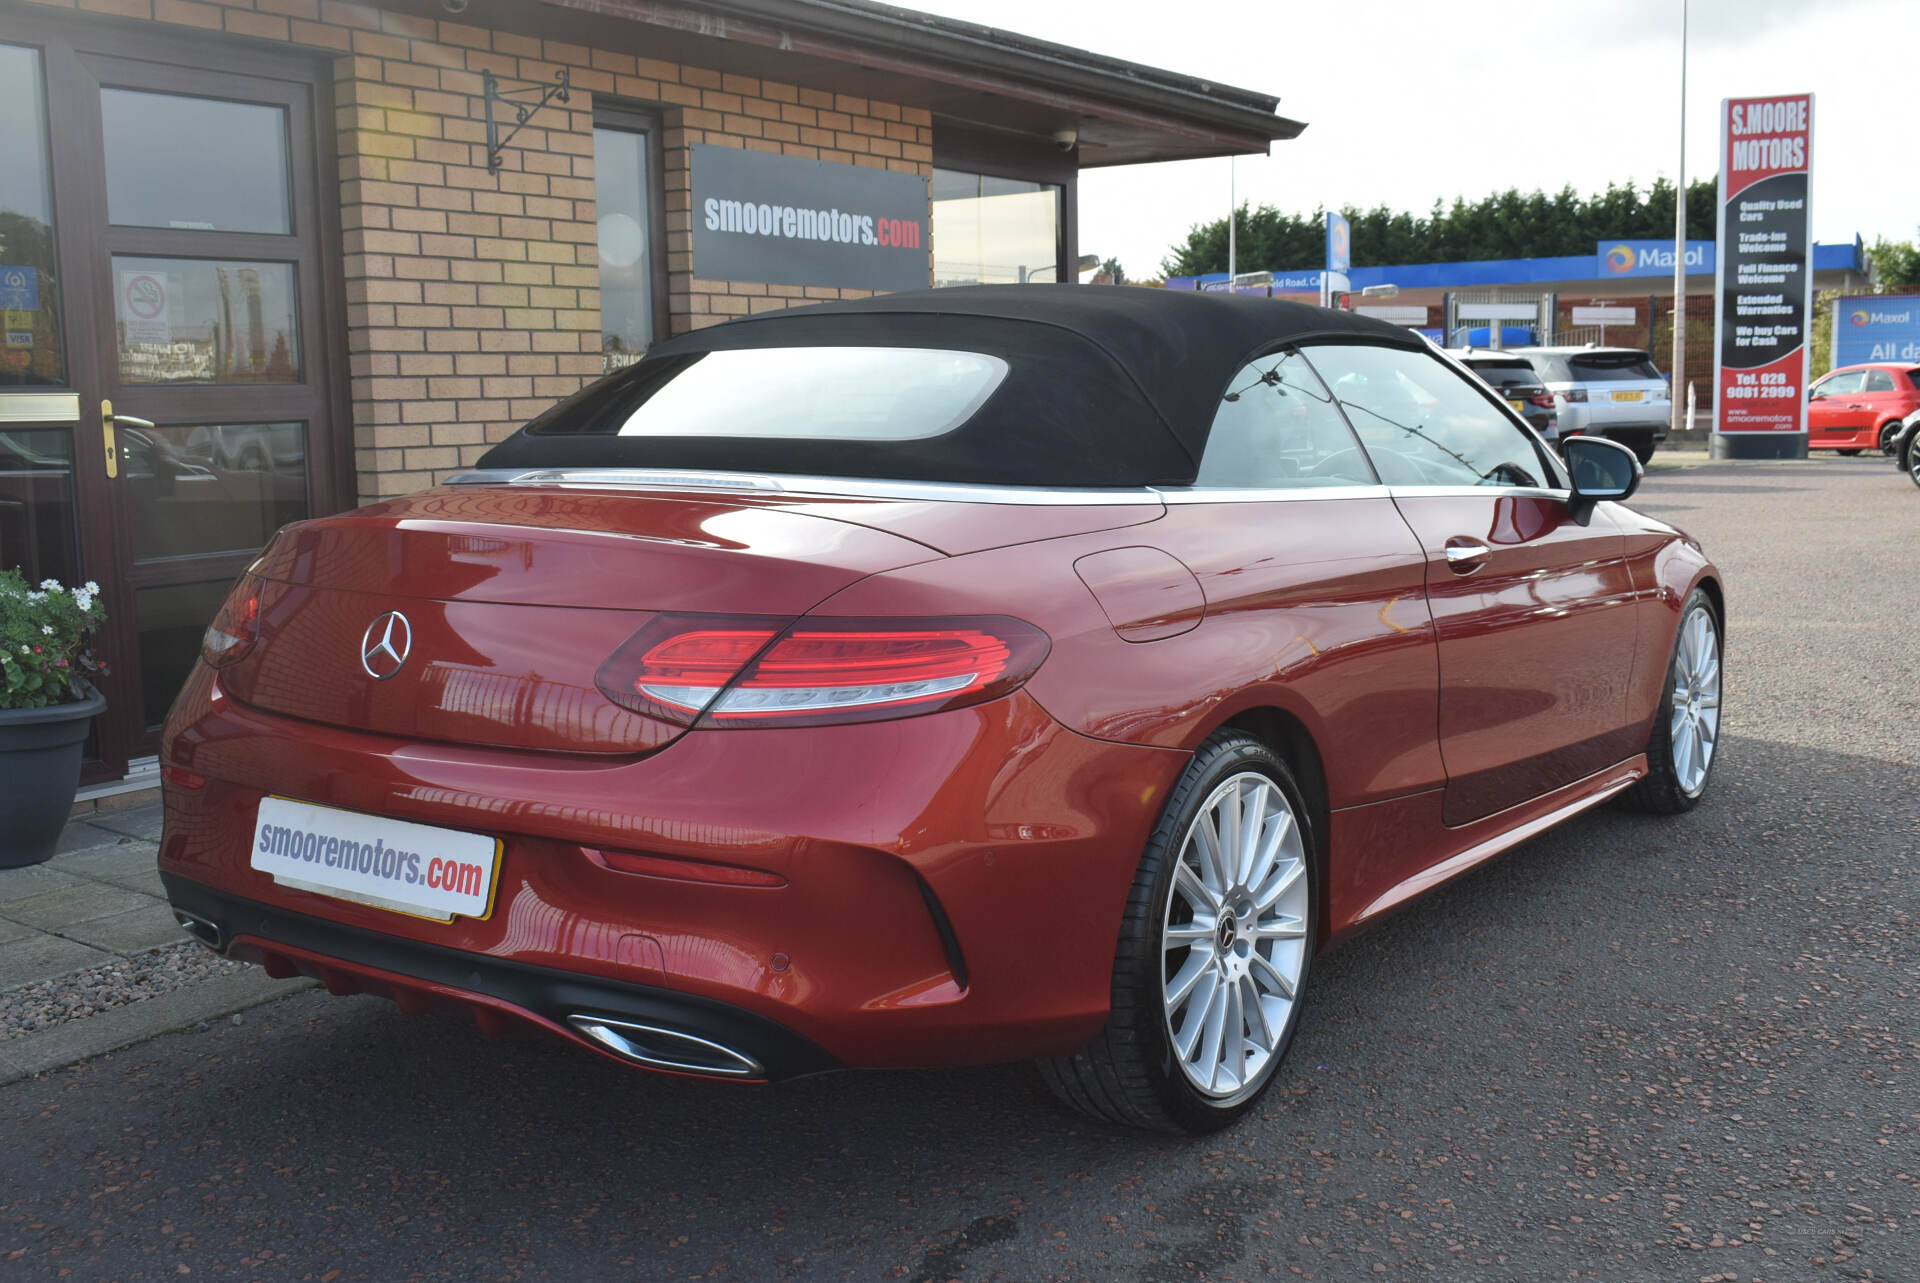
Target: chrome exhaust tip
(659,1048)
(201,929)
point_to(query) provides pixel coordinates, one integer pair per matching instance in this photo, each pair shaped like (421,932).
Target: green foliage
(1111,268)
(43,633)
(1895,266)
(1820,345)
(1507,224)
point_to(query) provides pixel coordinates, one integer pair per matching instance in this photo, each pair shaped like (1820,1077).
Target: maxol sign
(1876,327)
(1615,259)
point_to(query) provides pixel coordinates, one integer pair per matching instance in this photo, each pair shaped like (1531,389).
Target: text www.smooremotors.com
(374,858)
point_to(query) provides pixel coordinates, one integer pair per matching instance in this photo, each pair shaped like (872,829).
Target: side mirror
(1601,469)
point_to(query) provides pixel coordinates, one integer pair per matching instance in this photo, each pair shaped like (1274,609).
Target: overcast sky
(1407,100)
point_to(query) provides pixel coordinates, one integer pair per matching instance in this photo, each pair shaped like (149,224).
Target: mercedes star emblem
(384,649)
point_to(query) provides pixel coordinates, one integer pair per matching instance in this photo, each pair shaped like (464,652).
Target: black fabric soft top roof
(1107,385)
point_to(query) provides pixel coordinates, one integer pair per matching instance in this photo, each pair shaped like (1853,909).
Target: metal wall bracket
(521,100)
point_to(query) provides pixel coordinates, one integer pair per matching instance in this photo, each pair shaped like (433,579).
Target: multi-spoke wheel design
(1214,953)
(1694,724)
(1234,943)
(1686,730)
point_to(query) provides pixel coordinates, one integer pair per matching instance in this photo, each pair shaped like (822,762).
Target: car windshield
(809,393)
(1913,376)
(1611,367)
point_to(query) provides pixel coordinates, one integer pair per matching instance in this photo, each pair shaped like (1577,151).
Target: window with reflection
(32,351)
(623,191)
(193,320)
(212,488)
(1278,428)
(200,164)
(1424,424)
(994,231)
(36,504)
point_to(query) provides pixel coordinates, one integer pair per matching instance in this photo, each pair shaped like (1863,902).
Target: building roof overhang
(1124,113)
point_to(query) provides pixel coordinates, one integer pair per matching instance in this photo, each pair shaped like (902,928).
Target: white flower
(46,630)
(36,596)
(51,585)
(83,600)
(91,587)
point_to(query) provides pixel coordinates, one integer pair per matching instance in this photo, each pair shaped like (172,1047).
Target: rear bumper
(1607,420)
(945,889)
(417,975)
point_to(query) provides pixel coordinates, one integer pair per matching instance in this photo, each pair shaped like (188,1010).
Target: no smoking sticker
(143,308)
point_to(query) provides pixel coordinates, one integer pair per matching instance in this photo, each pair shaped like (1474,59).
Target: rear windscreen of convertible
(811,393)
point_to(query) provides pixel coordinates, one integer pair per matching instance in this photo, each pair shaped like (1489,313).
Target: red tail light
(1544,400)
(234,630)
(751,671)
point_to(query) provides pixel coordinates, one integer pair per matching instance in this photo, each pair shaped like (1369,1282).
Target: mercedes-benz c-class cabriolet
(1040,673)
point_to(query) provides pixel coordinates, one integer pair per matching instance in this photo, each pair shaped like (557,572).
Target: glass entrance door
(190,261)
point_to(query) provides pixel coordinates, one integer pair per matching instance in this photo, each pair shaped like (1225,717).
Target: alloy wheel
(1234,943)
(1695,727)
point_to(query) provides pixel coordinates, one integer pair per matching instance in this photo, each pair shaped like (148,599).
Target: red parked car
(1036,672)
(1859,407)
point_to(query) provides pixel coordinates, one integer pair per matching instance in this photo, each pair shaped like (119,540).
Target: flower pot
(39,774)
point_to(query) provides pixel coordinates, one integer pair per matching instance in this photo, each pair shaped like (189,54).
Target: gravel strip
(45,1003)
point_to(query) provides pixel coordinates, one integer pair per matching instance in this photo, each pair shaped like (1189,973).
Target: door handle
(107,421)
(1464,556)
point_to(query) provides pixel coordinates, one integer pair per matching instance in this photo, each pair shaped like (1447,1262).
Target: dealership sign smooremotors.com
(784,220)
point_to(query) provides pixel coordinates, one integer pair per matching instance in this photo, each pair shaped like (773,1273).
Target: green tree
(1509,224)
(1820,345)
(1895,266)
(1111,269)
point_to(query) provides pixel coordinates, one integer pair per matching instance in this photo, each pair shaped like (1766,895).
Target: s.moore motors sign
(1763,282)
(785,220)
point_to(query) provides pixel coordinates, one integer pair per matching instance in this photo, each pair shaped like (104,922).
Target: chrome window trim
(772,484)
(1277,494)
(1457,492)
(775,485)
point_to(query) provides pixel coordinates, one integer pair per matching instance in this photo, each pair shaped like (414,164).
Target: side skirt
(1388,853)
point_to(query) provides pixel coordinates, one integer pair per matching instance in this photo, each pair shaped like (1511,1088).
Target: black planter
(39,774)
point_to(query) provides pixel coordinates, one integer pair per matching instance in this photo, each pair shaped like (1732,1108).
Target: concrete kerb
(79,1040)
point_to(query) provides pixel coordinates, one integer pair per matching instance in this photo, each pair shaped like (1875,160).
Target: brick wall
(472,298)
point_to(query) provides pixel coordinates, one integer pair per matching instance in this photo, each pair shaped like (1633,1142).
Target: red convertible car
(1043,672)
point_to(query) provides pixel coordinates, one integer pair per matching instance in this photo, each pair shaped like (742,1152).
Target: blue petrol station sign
(1614,259)
(1876,327)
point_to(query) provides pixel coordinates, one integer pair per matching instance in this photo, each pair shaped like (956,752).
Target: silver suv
(1610,392)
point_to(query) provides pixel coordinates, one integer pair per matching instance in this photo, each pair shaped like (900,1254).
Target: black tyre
(1643,450)
(1682,748)
(1849,452)
(1889,433)
(1910,462)
(1214,951)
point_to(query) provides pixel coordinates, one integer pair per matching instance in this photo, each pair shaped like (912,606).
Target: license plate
(1630,396)
(409,868)
(1519,407)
